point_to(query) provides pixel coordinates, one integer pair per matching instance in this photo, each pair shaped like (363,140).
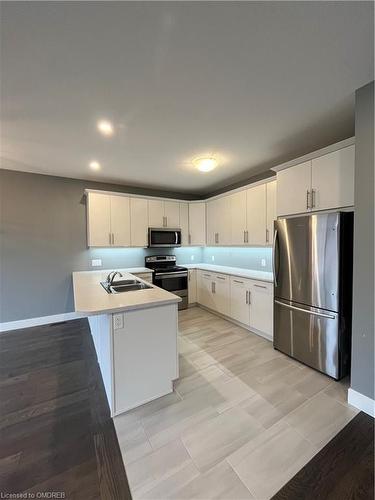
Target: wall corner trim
(362,402)
(44,320)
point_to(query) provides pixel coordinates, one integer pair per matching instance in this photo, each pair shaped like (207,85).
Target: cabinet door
(239,300)
(156,213)
(204,290)
(172,213)
(221,293)
(192,286)
(98,220)
(238,218)
(271,210)
(197,224)
(120,221)
(261,307)
(333,180)
(212,227)
(223,221)
(184,223)
(256,215)
(138,222)
(293,185)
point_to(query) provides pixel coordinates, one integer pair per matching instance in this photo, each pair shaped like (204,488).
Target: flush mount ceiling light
(205,164)
(105,127)
(94,165)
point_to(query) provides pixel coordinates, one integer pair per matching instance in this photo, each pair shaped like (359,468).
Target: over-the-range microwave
(164,237)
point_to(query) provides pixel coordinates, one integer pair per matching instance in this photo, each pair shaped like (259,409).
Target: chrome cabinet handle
(189,239)
(113,238)
(267,236)
(247,296)
(313,192)
(260,286)
(207,275)
(110,238)
(247,236)
(220,278)
(313,313)
(238,281)
(244,236)
(308,194)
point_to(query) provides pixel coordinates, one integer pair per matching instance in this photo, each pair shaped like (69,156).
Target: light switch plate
(213,258)
(263,263)
(118,321)
(96,262)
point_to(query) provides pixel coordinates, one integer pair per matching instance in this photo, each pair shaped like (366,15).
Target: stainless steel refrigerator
(313,268)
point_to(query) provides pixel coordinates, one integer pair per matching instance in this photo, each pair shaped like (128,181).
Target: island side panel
(144,355)
(101,331)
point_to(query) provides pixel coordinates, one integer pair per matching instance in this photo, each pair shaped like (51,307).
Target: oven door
(176,283)
(164,237)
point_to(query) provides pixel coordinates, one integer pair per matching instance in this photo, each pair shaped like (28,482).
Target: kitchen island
(135,337)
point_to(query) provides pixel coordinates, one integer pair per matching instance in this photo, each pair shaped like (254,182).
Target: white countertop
(90,297)
(234,271)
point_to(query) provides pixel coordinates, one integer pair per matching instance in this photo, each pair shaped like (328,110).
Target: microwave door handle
(176,236)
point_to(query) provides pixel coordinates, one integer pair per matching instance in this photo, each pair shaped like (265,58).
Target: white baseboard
(43,320)
(362,402)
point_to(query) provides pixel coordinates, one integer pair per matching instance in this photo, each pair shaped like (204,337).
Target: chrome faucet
(112,275)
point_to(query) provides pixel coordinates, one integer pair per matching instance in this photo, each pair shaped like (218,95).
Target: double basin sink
(120,286)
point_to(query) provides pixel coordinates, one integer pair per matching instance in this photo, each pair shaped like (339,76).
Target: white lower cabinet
(247,301)
(261,307)
(192,286)
(221,293)
(239,300)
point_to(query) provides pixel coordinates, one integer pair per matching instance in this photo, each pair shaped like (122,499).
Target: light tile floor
(242,421)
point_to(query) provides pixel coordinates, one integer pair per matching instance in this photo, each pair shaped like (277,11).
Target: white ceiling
(254,83)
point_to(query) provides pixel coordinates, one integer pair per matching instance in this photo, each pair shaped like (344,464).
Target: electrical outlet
(263,263)
(118,321)
(96,262)
(213,258)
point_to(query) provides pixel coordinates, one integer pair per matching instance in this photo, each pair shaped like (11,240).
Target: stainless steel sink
(124,286)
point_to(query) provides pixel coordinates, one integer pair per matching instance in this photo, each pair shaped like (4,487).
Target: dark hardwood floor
(342,470)
(56,434)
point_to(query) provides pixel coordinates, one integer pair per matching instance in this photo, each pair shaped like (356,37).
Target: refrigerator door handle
(274,258)
(313,313)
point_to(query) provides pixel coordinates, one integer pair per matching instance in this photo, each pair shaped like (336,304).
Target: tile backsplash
(248,258)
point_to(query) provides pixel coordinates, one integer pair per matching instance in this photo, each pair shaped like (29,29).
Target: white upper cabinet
(163,213)
(120,221)
(271,210)
(108,220)
(184,223)
(172,214)
(219,221)
(197,224)
(98,220)
(238,218)
(322,183)
(156,213)
(256,215)
(139,222)
(332,180)
(293,188)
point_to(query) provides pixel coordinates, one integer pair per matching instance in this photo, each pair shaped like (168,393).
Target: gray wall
(362,378)
(43,239)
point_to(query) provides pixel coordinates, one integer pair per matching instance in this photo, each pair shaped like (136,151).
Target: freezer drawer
(309,335)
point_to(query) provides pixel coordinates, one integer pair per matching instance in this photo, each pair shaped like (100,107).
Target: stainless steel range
(169,276)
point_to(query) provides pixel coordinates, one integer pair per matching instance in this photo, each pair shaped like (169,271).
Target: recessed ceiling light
(105,127)
(205,164)
(94,165)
